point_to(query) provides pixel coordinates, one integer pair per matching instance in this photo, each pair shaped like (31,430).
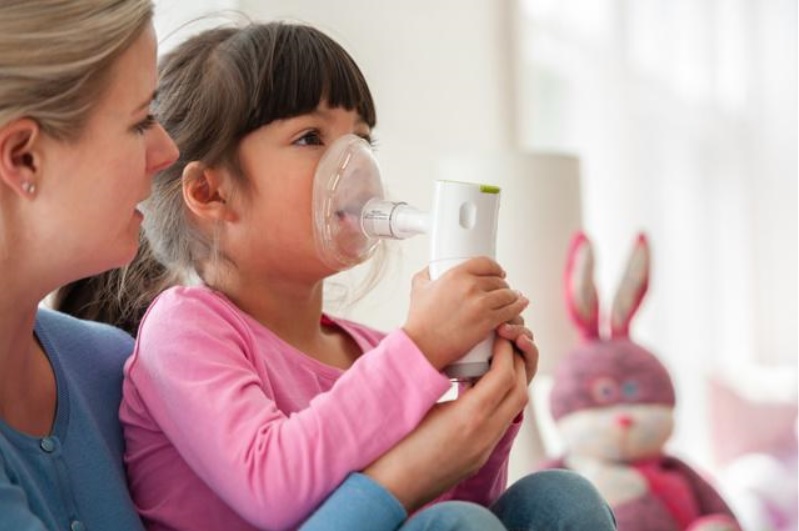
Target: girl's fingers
(489,284)
(503,298)
(506,313)
(518,320)
(481,266)
(524,343)
(421,278)
(513,332)
(517,397)
(492,387)
(514,398)
(529,351)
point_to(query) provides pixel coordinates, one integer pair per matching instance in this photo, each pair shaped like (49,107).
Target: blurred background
(677,118)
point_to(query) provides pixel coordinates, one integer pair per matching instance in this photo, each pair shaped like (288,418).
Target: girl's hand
(456,438)
(450,315)
(524,343)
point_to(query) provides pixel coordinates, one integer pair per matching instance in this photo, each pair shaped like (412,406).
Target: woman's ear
(19,161)
(206,192)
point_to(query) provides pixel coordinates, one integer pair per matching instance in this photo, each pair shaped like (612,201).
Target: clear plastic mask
(346,178)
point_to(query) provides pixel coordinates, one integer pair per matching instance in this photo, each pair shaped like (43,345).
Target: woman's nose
(163,150)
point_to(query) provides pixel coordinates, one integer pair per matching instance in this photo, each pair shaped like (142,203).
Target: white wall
(175,19)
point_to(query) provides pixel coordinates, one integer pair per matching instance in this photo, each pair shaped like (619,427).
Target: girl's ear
(206,192)
(632,289)
(19,160)
(581,296)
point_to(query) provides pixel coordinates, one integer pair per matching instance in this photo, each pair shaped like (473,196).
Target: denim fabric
(454,516)
(551,500)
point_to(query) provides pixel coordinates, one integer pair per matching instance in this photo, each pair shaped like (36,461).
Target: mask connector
(395,220)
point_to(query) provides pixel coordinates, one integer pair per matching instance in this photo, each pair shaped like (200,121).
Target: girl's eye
(145,124)
(311,138)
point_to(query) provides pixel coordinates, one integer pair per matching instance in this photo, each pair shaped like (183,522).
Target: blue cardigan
(74,478)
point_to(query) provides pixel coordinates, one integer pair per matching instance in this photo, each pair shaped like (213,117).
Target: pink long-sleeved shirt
(229,427)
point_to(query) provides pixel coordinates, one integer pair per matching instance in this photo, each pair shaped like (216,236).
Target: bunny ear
(581,297)
(631,290)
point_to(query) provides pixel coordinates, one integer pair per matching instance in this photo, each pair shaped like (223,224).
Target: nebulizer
(352,217)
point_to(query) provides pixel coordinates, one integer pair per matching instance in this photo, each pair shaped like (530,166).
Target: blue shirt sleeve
(359,503)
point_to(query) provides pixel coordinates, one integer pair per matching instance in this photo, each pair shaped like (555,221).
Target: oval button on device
(467,215)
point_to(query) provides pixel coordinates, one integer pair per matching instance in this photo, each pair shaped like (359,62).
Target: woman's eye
(311,138)
(145,124)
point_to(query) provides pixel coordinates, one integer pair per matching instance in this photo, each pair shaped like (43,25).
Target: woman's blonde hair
(55,56)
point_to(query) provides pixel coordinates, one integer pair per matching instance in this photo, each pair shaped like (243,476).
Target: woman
(78,149)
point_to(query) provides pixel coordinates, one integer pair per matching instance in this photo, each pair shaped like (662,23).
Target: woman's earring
(28,187)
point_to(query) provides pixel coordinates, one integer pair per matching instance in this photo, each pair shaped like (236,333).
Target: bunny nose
(625,421)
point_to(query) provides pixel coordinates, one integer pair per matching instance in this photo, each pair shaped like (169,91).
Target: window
(684,116)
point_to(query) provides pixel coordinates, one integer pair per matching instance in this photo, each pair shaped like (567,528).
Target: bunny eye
(604,390)
(629,389)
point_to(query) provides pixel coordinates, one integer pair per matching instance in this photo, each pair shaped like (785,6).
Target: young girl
(244,404)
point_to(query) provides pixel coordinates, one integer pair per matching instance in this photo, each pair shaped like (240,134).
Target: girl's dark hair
(214,89)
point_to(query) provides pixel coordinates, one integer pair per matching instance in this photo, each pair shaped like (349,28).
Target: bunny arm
(709,502)
(690,499)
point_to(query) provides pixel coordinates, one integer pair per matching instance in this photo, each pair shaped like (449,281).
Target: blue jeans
(551,500)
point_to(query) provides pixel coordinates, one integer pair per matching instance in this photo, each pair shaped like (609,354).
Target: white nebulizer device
(352,217)
(462,224)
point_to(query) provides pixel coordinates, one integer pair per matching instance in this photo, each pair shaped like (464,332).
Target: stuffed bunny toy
(613,401)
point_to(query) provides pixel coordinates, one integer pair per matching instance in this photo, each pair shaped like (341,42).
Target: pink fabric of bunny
(613,401)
